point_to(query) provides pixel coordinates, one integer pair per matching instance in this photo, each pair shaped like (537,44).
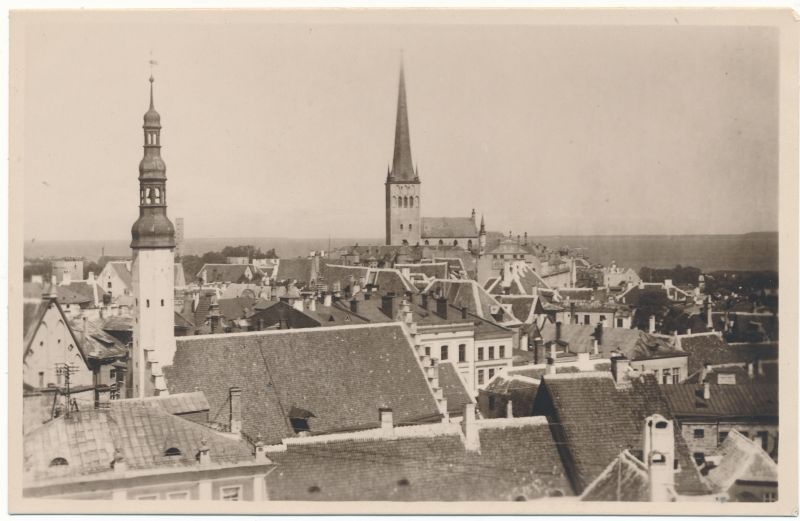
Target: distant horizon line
(764,232)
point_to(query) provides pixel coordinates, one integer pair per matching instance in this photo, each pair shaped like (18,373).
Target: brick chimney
(441,307)
(619,368)
(204,453)
(387,305)
(214,317)
(236,410)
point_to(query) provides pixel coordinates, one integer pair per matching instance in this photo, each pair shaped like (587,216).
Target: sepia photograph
(403,261)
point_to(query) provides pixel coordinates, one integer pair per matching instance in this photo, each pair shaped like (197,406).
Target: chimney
(387,305)
(90,278)
(472,441)
(704,373)
(367,293)
(598,335)
(434,380)
(558,331)
(204,453)
(709,315)
(118,463)
(509,409)
(651,324)
(327,300)
(66,278)
(551,365)
(526,239)
(659,456)
(759,367)
(668,283)
(354,305)
(298,304)
(506,273)
(236,410)
(464,312)
(619,368)
(706,391)
(214,316)
(441,307)
(261,453)
(387,419)
(424,300)
(750,370)
(260,326)
(53,288)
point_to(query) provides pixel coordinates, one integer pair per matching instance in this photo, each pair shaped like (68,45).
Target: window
(162,302)
(586,319)
(411,202)
(112,374)
(502,351)
(410,227)
(480,376)
(109,284)
(58,462)
(172,451)
(491,373)
(602,318)
(619,322)
(148,497)
(491,352)
(230,493)
(676,375)
(722,436)
(148,302)
(401,227)
(699,458)
(763,436)
(427,350)
(444,352)
(441,242)
(699,434)
(666,376)
(178,495)
(769,497)
(480,353)
(462,353)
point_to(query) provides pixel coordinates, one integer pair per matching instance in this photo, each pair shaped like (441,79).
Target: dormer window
(58,462)
(173,451)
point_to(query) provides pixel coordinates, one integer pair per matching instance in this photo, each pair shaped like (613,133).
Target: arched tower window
(394,201)
(416,200)
(441,242)
(147,196)
(411,202)
(157,198)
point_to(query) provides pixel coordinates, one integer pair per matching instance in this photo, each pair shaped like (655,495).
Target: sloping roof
(228,272)
(363,367)
(184,322)
(469,294)
(33,311)
(448,227)
(141,429)
(453,387)
(121,270)
(633,343)
(391,281)
(182,403)
(508,247)
(436,270)
(425,467)
(345,276)
(596,420)
(711,349)
(237,307)
(625,479)
(741,459)
(85,288)
(727,400)
(96,343)
(521,305)
(300,270)
(118,323)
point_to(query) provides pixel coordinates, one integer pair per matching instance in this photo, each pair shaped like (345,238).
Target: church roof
(447,227)
(402,165)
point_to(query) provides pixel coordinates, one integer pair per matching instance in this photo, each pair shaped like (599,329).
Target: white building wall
(153,328)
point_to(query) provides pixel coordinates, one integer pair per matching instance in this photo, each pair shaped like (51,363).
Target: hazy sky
(287,129)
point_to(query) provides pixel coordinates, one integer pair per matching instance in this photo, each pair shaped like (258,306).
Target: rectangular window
(676,375)
(699,434)
(427,350)
(148,302)
(619,322)
(112,374)
(178,495)
(444,353)
(480,353)
(480,376)
(666,377)
(109,284)
(763,437)
(769,497)
(148,496)
(491,352)
(462,352)
(491,373)
(699,458)
(230,493)
(586,319)
(162,302)
(502,351)
(722,436)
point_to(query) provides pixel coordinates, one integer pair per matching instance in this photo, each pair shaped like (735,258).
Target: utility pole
(67,370)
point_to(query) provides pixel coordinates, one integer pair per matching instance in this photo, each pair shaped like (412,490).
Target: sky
(279,129)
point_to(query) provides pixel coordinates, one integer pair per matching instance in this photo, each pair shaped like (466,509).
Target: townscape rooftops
(741,459)
(96,343)
(740,400)
(633,343)
(449,227)
(436,270)
(597,420)
(431,466)
(300,269)
(713,350)
(142,430)
(364,367)
(469,294)
(227,273)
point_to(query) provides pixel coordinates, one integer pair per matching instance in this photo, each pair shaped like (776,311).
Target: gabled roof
(33,312)
(741,459)
(518,460)
(364,367)
(625,479)
(596,420)
(121,270)
(454,390)
(449,227)
(141,429)
(299,269)
(741,400)
(228,273)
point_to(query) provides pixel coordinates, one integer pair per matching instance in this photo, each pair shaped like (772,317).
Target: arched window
(427,243)
(411,202)
(157,198)
(416,200)
(410,227)
(455,242)
(58,462)
(172,451)
(441,242)
(147,195)
(405,201)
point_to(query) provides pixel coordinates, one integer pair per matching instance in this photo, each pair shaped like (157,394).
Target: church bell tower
(402,182)
(153,243)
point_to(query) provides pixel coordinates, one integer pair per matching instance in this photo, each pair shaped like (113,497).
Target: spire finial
(151,91)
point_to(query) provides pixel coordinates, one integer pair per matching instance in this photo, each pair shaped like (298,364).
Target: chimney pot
(236,410)
(706,391)
(509,409)
(441,307)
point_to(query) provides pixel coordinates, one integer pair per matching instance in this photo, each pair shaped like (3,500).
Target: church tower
(153,242)
(402,182)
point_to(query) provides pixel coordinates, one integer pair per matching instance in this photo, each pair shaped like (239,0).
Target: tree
(651,302)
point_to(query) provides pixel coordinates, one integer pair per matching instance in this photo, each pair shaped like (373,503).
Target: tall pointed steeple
(402,165)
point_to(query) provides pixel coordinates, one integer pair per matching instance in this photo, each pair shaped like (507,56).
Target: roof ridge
(310,330)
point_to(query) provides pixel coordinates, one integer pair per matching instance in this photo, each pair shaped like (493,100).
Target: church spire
(402,165)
